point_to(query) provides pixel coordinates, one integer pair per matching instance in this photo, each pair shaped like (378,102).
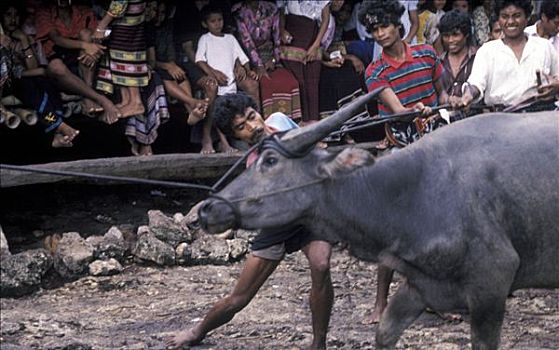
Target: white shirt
(220,53)
(308,8)
(502,79)
(533,31)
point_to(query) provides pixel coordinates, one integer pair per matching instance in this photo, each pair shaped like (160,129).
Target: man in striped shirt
(410,73)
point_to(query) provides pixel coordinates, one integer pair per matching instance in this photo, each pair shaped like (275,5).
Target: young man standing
(505,71)
(411,75)
(236,115)
(548,25)
(459,53)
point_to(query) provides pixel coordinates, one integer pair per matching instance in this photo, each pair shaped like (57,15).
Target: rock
(208,249)
(20,274)
(183,255)
(105,267)
(238,248)
(4,248)
(178,217)
(73,255)
(111,245)
(166,229)
(150,248)
(143,230)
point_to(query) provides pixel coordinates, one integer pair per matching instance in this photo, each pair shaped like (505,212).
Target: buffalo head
(279,188)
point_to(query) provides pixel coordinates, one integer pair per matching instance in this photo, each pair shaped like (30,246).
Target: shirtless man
(236,116)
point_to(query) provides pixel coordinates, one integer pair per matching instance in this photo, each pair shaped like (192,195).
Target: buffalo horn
(301,139)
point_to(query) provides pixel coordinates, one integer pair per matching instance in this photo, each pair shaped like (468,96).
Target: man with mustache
(236,115)
(505,71)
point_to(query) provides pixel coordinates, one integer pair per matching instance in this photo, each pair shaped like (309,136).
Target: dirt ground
(138,308)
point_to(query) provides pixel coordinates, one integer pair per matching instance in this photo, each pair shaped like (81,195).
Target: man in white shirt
(505,70)
(548,25)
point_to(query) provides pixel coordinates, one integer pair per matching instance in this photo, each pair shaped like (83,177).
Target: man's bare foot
(187,337)
(64,136)
(60,140)
(132,109)
(90,108)
(145,150)
(373,317)
(111,113)
(226,148)
(207,148)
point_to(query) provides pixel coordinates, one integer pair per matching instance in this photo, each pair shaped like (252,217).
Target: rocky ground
(139,307)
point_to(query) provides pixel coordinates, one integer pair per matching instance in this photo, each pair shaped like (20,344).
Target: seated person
(27,79)
(71,52)
(166,61)
(217,54)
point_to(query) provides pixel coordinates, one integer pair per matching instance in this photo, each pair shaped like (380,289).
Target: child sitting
(221,57)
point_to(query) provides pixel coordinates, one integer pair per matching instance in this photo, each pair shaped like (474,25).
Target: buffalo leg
(404,307)
(486,321)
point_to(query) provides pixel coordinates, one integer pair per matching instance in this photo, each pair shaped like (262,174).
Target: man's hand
(357,64)
(261,72)
(240,73)
(87,60)
(175,71)
(198,113)
(20,36)
(220,77)
(312,53)
(425,110)
(286,37)
(270,66)
(335,63)
(93,49)
(252,74)
(5,41)
(549,90)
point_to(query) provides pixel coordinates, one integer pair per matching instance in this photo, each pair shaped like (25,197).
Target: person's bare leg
(224,146)
(135,106)
(210,88)
(88,74)
(322,293)
(183,93)
(145,150)
(124,97)
(66,80)
(384,277)
(252,88)
(255,272)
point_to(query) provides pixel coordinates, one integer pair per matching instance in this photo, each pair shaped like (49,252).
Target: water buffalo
(467,214)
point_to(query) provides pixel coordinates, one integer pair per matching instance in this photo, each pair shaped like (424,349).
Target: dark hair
(210,9)
(525,5)
(428,5)
(550,9)
(455,20)
(18,5)
(228,106)
(383,12)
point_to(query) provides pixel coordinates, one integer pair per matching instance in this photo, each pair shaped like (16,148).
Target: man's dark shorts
(272,245)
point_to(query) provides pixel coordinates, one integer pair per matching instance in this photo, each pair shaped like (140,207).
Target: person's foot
(132,109)
(187,337)
(226,148)
(90,108)
(207,148)
(373,317)
(64,136)
(348,139)
(145,150)
(111,113)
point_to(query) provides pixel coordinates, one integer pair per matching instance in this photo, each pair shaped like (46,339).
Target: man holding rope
(411,75)
(236,115)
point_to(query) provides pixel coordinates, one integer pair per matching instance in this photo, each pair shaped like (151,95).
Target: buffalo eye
(270,161)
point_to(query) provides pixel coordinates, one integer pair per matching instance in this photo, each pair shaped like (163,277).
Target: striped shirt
(411,80)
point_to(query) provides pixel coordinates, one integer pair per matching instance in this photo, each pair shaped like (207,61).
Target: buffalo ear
(346,161)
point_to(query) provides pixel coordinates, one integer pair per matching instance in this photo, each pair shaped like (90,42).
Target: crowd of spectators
(128,60)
